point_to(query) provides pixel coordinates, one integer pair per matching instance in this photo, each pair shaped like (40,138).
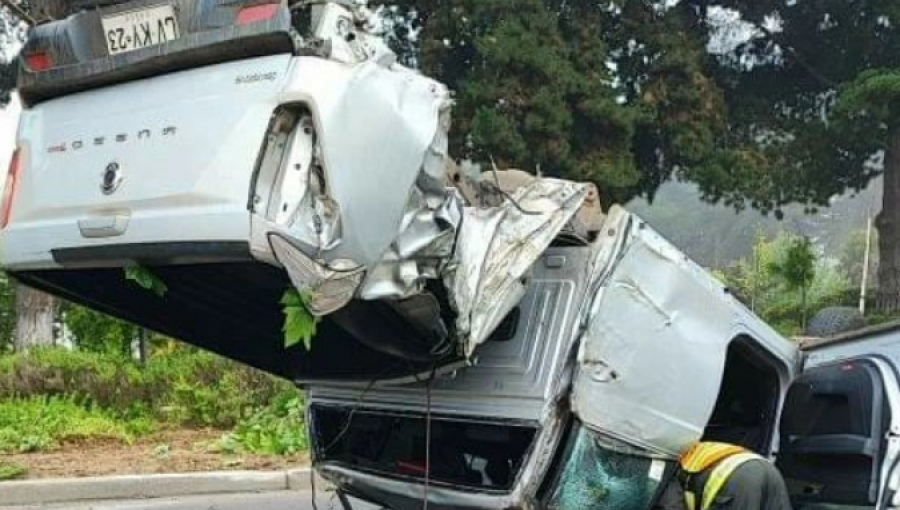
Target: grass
(9,471)
(44,423)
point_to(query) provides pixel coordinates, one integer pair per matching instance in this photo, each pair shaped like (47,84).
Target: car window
(595,476)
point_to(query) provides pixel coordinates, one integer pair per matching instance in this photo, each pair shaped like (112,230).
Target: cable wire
(428,437)
(346,426)
(499,189)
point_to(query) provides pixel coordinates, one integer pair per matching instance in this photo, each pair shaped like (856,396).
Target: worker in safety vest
(716,476)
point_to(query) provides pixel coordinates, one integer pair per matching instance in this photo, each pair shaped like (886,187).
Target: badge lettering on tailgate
(142,135)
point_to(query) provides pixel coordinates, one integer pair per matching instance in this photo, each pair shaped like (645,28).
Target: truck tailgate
(177,146)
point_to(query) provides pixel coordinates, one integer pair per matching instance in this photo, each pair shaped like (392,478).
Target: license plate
(140,28)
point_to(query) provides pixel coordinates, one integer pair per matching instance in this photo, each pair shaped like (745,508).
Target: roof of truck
(810,343)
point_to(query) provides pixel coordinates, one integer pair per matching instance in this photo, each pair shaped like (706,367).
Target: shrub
(278,429)
(186,387)
(103,380)
(203,389)
(51,396)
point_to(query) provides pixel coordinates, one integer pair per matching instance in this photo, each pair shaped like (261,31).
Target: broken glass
(595,477)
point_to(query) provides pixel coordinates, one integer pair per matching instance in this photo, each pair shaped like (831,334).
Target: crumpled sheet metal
(382,136)
(427,231)
(376,129)
(498,245)
(381,139)
(652,356)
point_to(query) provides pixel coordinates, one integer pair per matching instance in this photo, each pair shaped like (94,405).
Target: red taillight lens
(255,13)
(9,190)
(38,61)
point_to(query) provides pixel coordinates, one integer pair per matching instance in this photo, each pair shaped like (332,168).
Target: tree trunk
(142,346)
(35,312)
(888,223)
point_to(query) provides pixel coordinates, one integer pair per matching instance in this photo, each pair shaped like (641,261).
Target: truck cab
(620,355)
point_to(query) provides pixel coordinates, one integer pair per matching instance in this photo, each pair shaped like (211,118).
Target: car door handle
(103,226)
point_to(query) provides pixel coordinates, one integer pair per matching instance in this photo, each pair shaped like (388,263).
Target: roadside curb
(63,490)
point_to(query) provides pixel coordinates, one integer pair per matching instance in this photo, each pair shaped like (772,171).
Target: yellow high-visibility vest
(725,458)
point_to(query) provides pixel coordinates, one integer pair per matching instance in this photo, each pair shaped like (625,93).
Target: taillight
(255,13)
(38,61)
(9,190)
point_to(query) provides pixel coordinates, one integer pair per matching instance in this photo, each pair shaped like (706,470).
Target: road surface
(280,500)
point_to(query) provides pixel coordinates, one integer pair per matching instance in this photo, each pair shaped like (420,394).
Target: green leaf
(146,279)
(291,298)
(299,324)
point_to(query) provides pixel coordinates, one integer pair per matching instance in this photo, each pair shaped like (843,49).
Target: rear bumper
(59,243)
(78,44)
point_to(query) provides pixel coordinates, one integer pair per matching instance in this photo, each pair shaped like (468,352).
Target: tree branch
(821,78)
(18,12)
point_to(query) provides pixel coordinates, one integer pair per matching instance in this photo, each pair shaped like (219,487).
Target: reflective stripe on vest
(702,456)
(717,480)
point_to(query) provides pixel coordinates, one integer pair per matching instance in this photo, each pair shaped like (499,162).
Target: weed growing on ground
(278,429)
(43,423)
(10,471)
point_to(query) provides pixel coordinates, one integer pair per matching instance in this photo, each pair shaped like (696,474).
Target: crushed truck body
(320,164)
(485,340)
(621,354)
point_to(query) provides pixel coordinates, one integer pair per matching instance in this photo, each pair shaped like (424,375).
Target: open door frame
(887,453)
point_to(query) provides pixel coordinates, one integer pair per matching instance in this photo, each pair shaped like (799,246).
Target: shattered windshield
(593,477)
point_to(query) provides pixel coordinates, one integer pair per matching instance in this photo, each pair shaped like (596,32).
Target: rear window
(474,454)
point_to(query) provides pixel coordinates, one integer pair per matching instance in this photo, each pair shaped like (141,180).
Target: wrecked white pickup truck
(492,341)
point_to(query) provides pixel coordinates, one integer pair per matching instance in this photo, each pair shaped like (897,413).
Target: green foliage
(299,323)
(278,429)
(796,267)
(804,101)
(874,93)
(10,471)
(852,257)
(587,91)
(98,332)
(185,388)
(877,318)
(759,280)
(43,423)
(202,389)
(53,396)
(146,279)
(7,313)
(105,380)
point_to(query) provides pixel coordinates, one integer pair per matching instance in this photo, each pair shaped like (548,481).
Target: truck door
(839,436)
(654,347)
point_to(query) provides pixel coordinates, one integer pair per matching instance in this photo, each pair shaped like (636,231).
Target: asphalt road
(281,500)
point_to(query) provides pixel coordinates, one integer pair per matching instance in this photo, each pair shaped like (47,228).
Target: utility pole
(865,268)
